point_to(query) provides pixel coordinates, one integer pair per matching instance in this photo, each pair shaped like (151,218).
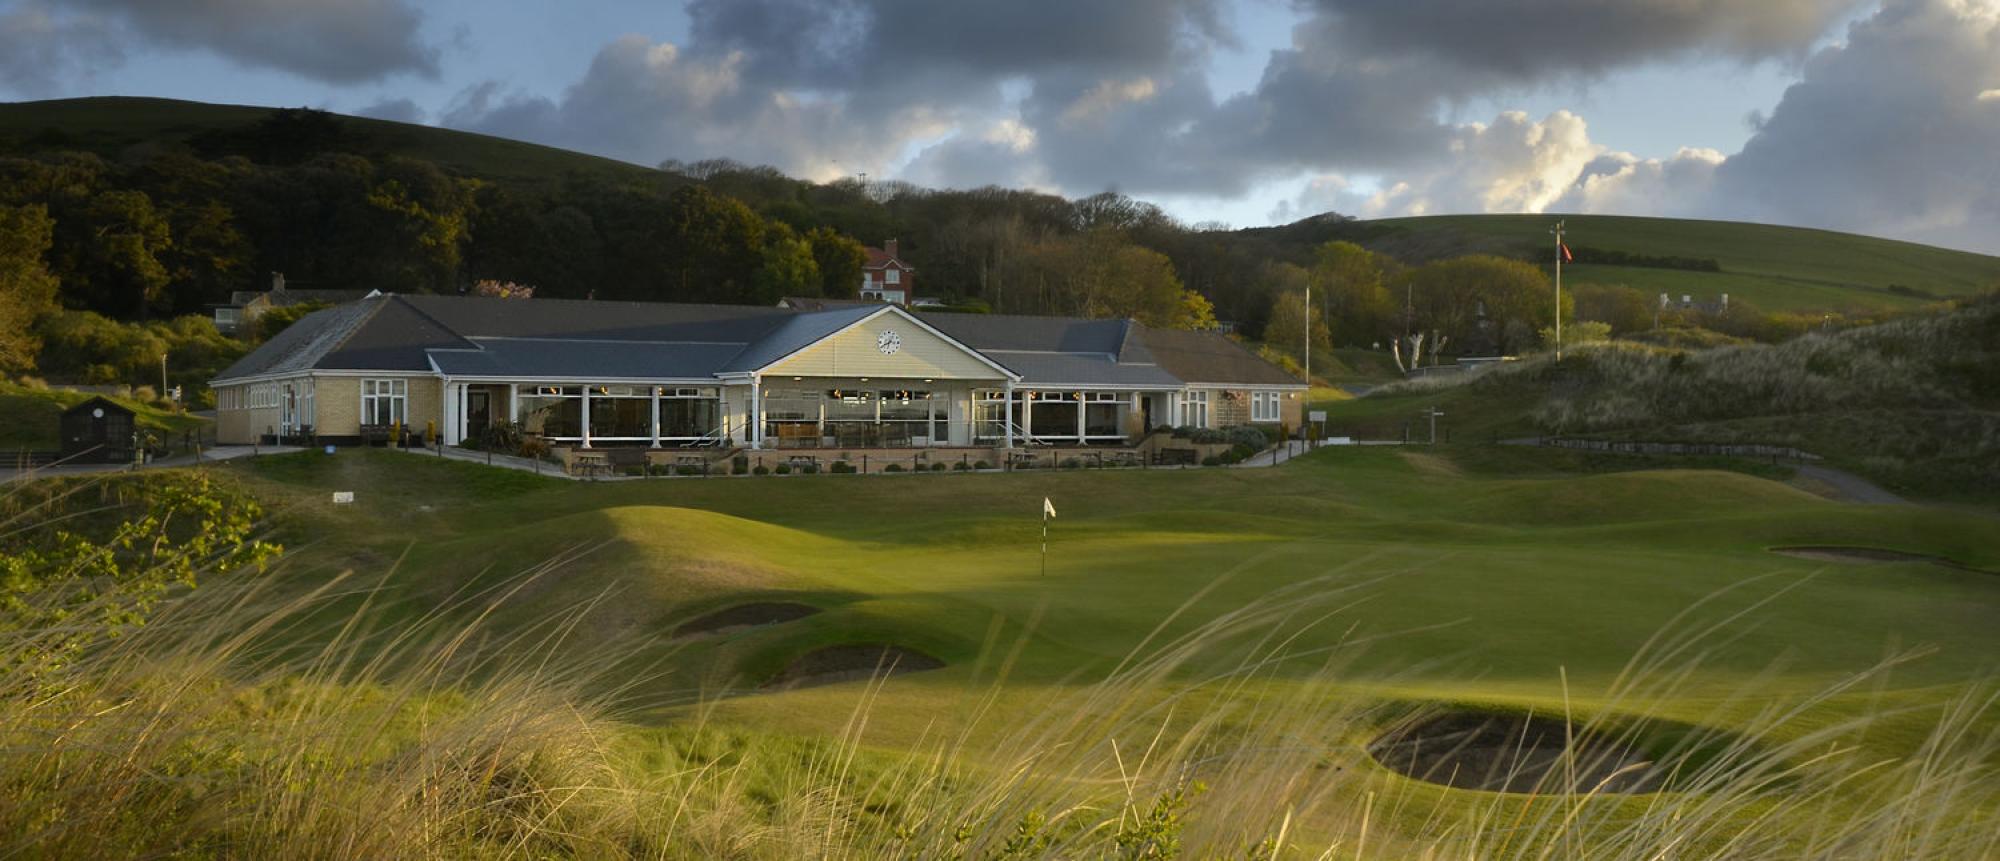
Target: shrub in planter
(783,469)
(939,466)
(961,466)
(839,467)
(981,465)
(810,469)
(740,464)
(760,469)
(894,467)
(1211,460)
(1072,463)
(635,471)
(689,470)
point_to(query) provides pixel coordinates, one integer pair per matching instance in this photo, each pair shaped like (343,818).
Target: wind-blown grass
(442,737)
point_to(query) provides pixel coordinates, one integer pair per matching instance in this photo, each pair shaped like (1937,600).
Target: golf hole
(833,664)
(1497,752)
(743,617)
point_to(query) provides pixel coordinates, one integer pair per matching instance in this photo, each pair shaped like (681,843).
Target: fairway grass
(1199,673)
(1463,586)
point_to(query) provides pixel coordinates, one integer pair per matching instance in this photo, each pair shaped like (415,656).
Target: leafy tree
(27,290)
(1624,309)
(1349,282)
(786,267)
(1287,330)
(117,267)
(81,561)
(839,259)
(270,323)
(1481,302)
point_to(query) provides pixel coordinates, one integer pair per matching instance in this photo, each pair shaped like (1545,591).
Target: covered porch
(659,414)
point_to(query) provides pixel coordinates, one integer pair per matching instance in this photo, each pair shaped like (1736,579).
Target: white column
(1027,417)
(464,411)
(586,417)
(756,422)
(449,413)
(514,404)
(1079,417)
(656,415)
(1006,417)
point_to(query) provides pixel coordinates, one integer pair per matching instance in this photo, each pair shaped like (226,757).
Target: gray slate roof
(531,358)
(479,336)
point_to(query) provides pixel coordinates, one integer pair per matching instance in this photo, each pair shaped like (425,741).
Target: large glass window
(621,413)
(384,402)
(552,411)
(689,413)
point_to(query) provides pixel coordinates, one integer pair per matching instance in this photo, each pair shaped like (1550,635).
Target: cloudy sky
(1877,116)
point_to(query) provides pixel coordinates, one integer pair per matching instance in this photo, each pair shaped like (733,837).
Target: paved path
(208,455)
(1848,487)
(1837,484)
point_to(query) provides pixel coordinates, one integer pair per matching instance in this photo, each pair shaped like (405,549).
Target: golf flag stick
(1048,513)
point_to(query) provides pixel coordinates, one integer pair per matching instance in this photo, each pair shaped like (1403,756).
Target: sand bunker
(1512,753)
(744,617)
(833,664)
(1868,556)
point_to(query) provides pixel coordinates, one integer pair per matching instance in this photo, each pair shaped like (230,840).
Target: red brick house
(886,278)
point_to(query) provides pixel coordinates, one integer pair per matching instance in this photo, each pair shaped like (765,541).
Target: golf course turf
(1366,588)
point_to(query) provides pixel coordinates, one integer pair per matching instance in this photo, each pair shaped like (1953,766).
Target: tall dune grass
(198,735)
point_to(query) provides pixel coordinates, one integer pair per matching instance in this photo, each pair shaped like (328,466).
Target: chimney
(889,247)
(277,281)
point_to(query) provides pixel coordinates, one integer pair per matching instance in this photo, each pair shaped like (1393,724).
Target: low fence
(1750,450)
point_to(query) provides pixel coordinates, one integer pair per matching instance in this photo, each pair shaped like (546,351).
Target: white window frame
(892,275)
(1264,407)
(395,391)
(1194,408)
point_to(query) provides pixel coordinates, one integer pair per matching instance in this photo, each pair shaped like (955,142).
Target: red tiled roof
(879,259)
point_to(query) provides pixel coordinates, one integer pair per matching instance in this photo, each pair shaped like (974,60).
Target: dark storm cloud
(1531,40)
(41,49)
(1892,131)
(336,41)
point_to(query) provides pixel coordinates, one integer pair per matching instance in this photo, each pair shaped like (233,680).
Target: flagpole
(1559,290)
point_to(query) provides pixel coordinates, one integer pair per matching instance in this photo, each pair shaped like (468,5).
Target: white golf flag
(1048,508)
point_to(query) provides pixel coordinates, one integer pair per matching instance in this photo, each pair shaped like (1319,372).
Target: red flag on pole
(1567,257)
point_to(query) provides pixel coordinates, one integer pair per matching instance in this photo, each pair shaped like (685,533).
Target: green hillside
(110,125)
(1775,267)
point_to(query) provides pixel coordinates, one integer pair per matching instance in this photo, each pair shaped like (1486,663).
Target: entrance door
(1146,413)
(478,412)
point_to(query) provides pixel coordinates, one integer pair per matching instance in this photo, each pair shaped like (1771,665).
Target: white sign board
(1316,416)
(343,497)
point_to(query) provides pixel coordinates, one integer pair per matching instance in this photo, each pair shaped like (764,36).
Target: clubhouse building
(589,374)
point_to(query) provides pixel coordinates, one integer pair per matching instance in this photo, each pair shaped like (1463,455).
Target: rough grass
(1913,403)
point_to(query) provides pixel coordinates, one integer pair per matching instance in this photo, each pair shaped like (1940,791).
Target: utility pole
(1560,250)
(1309,333)
(163,374)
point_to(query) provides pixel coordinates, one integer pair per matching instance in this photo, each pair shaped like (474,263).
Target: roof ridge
(360,323)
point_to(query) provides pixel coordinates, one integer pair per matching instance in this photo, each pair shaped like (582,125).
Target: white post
(656,414)
(514,404)
(586,417)
(1079,417)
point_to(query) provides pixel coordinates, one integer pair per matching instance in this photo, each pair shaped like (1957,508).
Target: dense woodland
(106,256)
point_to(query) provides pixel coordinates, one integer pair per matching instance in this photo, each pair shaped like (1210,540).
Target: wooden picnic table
(590,463)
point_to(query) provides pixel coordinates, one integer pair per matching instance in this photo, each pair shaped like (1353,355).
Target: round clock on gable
(888,342)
